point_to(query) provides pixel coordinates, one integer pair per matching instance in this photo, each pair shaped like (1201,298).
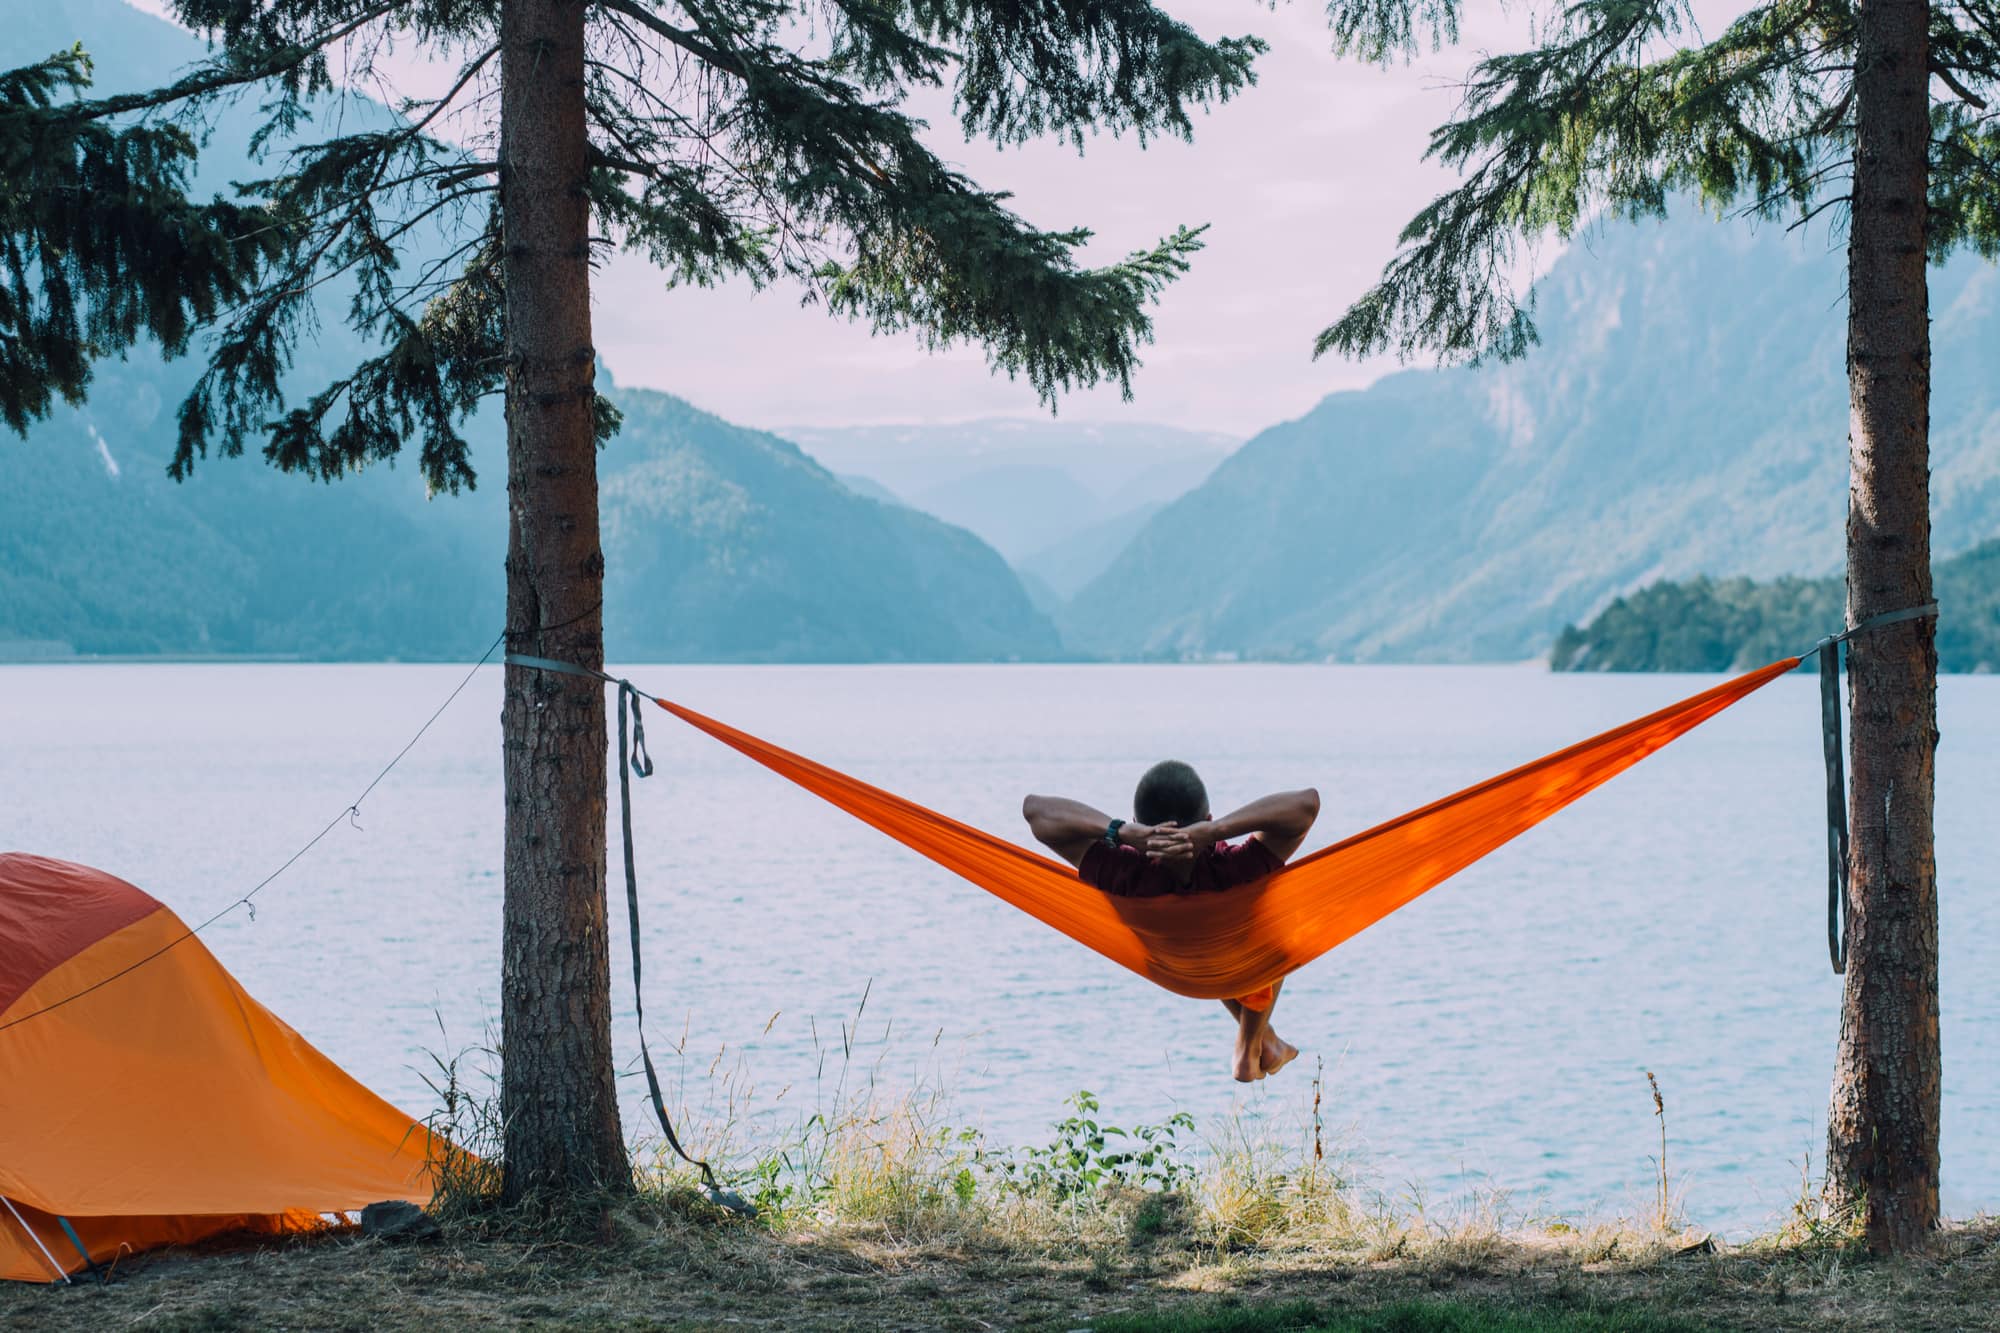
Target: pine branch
(1068,68)
(1380,31)
(1592,123)
(718,146)
(99,244)
(1965,183)
(1945,76)
(240,67)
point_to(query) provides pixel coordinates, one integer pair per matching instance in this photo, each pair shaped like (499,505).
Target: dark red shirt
(1125,872)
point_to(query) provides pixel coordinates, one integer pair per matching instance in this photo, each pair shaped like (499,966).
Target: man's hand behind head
(1171,842)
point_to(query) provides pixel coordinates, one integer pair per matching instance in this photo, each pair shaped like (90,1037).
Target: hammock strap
(633,758)
(1837,838)
(1836,804)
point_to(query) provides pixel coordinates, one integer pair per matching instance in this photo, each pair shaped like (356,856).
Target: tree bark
(1882,1128)
(562,1137)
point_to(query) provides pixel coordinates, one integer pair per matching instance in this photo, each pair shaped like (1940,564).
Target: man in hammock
(1172,844)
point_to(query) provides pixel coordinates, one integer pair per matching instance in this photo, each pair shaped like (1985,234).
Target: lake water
(1494,1035)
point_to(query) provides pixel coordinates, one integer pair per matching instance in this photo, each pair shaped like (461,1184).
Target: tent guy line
(351,811)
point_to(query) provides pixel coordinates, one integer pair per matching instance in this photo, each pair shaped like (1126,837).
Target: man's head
(1170,793)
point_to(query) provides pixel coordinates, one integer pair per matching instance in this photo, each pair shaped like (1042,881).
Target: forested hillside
(722,544)
(1736,624)
(101,552)
(727,544)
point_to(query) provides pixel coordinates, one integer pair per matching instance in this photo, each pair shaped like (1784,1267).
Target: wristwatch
(1111,832)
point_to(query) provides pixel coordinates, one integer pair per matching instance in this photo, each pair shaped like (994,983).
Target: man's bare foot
(1249,1064)
(1275,1055)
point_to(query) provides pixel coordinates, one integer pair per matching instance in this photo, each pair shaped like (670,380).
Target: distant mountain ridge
(1067,566)
(1685,415)
(1041,491)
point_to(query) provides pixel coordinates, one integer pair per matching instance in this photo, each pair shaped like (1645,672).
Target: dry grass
(877,1214)
(676,1264)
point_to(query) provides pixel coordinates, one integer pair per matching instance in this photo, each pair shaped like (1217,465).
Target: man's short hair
(1170,793)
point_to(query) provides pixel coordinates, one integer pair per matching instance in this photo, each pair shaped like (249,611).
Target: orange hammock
(1236,943)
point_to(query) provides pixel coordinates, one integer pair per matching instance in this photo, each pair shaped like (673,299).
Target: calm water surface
(1494,1035)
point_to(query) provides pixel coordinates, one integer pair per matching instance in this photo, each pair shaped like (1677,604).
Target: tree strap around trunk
(633,758)
(1836,771)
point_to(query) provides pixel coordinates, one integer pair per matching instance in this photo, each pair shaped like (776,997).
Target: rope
(633,758)
(1837,838)
(350,812)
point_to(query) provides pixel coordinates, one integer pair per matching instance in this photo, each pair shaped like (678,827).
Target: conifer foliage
(1880,116)
(772,140)
(1624,108)
(767,139)
(100,246)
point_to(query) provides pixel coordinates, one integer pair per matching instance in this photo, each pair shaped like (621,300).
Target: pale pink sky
(1305,181)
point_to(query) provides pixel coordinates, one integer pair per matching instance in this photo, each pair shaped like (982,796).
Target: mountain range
(1059,499)
(732,545)
(1686,414)
(723,543)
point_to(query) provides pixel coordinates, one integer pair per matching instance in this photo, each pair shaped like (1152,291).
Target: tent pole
(61,1275)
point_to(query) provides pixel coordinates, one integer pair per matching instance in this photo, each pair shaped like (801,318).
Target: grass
(1435,1316)
(877,1213)
(658,1263)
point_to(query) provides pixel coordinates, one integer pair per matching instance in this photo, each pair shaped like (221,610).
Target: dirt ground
(699,1273)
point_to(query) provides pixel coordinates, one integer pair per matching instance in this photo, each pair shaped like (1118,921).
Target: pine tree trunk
(1882,1128)
(562,1137)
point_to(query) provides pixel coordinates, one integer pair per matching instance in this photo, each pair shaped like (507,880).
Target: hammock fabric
(1236,943)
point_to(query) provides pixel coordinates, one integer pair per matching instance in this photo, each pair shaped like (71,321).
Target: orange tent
(151,1105)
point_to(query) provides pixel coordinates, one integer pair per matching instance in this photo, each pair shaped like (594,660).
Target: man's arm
(1068,827)
(1280,821)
